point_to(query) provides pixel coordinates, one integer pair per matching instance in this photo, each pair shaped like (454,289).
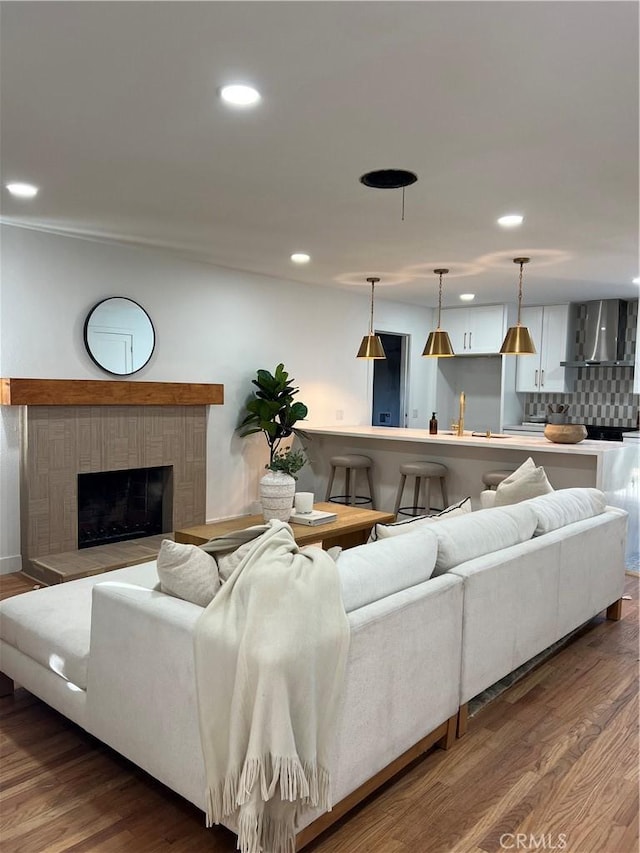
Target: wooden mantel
(102,392)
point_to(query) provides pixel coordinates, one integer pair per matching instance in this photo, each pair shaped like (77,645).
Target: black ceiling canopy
(388,179)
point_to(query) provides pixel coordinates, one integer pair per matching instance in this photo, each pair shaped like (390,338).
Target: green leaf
(270,428)
(250,431)
(253,406)
(299,411)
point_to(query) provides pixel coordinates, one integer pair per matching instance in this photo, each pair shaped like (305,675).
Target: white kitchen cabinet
(542,372)
(475,331)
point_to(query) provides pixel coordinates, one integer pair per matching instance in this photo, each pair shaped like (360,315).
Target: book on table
(316,516)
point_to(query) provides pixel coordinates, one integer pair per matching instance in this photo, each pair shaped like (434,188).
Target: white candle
(303,502)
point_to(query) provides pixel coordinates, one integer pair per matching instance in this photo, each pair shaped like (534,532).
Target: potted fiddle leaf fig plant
(272,410)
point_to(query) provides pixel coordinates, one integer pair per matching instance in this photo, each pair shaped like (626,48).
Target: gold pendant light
(371,346)
(518,341)
(438,344)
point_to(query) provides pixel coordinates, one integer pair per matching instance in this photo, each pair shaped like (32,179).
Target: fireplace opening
(114,506)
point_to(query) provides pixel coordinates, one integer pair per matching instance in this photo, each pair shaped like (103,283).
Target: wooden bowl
(565,433)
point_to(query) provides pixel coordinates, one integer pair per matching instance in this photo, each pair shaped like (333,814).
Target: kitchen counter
(510,442)
(604,464)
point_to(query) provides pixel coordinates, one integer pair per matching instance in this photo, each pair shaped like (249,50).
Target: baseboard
(9,565)
(235,515)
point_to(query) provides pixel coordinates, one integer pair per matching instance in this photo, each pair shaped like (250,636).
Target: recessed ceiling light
(512,220)
(22,190)
(467,297)
(300,258)
(240,95)
(636,280)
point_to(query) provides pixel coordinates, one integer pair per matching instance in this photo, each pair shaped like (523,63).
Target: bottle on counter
(433,424)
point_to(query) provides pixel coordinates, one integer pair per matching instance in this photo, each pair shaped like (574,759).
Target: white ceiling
(532,107)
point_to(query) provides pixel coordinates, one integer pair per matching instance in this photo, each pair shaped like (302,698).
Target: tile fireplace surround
(61,441)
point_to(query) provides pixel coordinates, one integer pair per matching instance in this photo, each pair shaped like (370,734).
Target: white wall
(212,325)
(480,379)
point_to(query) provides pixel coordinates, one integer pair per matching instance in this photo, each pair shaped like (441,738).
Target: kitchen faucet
(461,415)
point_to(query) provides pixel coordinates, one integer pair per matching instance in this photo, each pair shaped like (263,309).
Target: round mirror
(119,335)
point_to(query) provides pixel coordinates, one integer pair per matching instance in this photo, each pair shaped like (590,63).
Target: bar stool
(351,462)
(492,479)
(421,471)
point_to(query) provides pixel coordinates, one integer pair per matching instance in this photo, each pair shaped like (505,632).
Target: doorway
(113,350)
(389,382)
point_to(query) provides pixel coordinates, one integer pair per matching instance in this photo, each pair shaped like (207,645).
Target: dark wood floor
(555,758)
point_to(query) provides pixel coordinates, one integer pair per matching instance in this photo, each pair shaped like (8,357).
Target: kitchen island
(607,465)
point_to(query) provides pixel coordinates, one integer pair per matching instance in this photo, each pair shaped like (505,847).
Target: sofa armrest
(402,679)
(487,499)
(141,693)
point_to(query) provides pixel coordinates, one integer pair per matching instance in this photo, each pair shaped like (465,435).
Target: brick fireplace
(61,442)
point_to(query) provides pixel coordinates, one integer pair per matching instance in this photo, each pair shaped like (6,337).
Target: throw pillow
(185,571)
(229,562)
(531,484)
(230,549)
(410,525)
(527,466)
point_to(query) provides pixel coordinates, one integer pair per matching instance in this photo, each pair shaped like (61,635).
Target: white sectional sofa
(436,615)
(520,600)
(116,657)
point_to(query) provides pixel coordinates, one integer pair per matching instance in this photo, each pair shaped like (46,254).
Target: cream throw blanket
(270,655)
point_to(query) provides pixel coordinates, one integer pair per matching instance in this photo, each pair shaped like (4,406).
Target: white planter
(276,495)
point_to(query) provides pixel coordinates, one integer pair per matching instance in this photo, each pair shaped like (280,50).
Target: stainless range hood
(597,334)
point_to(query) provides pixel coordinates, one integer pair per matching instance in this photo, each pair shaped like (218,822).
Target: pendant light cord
(371,318)
(520,293)
(440,272)
(373,284)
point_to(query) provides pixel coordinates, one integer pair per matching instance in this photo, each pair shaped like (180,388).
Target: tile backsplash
(602,395)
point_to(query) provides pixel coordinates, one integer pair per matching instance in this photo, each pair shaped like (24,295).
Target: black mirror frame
(85,334)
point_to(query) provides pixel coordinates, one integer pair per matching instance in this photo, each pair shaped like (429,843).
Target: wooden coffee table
(352,527)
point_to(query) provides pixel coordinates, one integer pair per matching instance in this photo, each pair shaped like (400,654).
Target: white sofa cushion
(566,506)
(481,532)
(187,572)
(378,569)
(410,525)
(31,622)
